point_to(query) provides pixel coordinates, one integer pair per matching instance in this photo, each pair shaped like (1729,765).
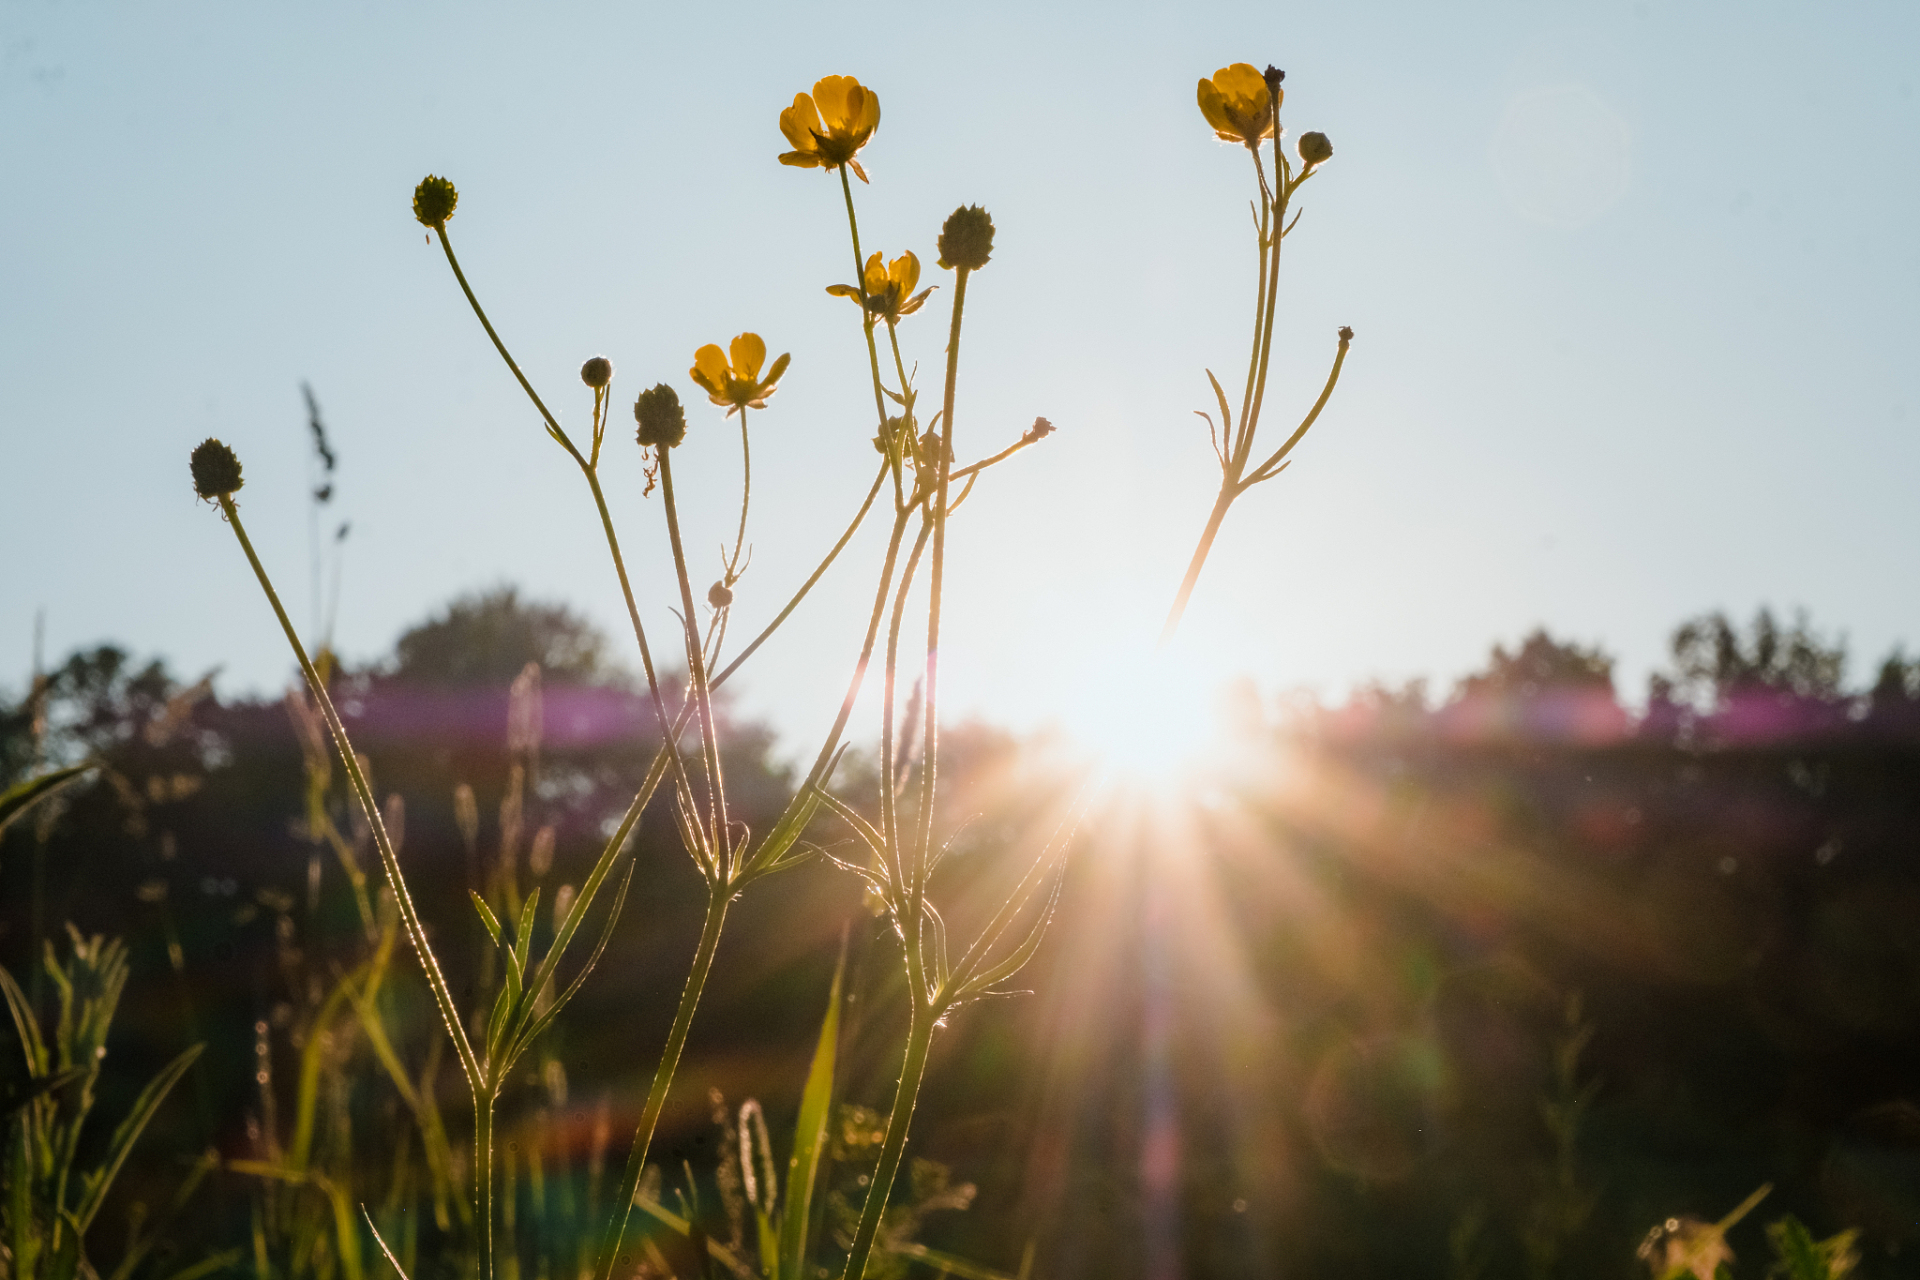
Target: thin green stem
(717,836)
(470,1065)
(588,469)
(912,1070)
(866,323)
(820,572)
(1268,469)
(936,582)
(1263,228)
(717,902)
(483,1178)
(1251,419)
(889,814)
(746,492)
(1219,513)
(553,425)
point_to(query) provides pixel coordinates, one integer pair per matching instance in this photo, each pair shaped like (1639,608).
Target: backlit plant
(899,834)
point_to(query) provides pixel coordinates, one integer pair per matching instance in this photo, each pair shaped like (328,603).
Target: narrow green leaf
(26,1025)
(1226,416)
(20,797)
(810,1134)
(502,1006)
(768,1241)
(539,1024)
(129,1132)
(487,917)
(523,936)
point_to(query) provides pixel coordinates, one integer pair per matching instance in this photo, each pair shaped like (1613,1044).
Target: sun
(1151,716)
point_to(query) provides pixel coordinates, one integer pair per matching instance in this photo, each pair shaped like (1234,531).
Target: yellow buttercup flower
(827,128)
(733,378)
(890,292)
(1236,103)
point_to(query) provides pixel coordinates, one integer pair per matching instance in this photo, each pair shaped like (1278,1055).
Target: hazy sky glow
(1635,286)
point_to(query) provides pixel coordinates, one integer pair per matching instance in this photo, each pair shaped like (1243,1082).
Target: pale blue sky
(1635,288)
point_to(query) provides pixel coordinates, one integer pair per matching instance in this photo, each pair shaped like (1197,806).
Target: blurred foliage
(1477,986)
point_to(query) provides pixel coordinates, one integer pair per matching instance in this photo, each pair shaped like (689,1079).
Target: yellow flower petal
(748,353)
(801,159)
(799,122)
(869,114)
(1212,105)
(1241,84)
(710,367)
(773,374)
(904,272)
(844,291)
(875,275)
(833,95)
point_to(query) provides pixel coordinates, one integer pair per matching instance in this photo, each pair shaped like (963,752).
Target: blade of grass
(810,1133)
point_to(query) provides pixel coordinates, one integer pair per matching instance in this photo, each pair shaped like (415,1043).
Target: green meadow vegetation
(518,955)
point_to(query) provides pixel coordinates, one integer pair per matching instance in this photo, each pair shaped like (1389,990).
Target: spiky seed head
(1346,334)
(216,470)
(1315,149)
(597,372)
(719,595)
(966,241)
(1273,76)
(663,423)
(433,201)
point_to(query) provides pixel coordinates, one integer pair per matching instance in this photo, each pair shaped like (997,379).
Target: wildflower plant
(898,833)
(1243,107)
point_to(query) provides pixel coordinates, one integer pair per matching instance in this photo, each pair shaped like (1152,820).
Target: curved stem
(588,469)
(470,1065)
(1268,469)
(817,775)
(936,581)
(718,836)
(912,1070)
(1207,535)
(866,323)
(1263,229)
(717,902)
(807,586)
(553,425)
(746,492)
(889,819)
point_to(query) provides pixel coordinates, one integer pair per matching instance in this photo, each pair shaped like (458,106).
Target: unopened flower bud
(719,595)
(663,423)
(433,201)
(597,372)
(1315,149)
(966,241)
(216,470)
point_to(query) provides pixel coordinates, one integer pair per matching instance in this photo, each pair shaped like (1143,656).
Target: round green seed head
(433,201)
(597,372)
(663,423)
(1315,149)
(216,470)
(966,241)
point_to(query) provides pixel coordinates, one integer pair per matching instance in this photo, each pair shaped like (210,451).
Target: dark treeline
(1484,985)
